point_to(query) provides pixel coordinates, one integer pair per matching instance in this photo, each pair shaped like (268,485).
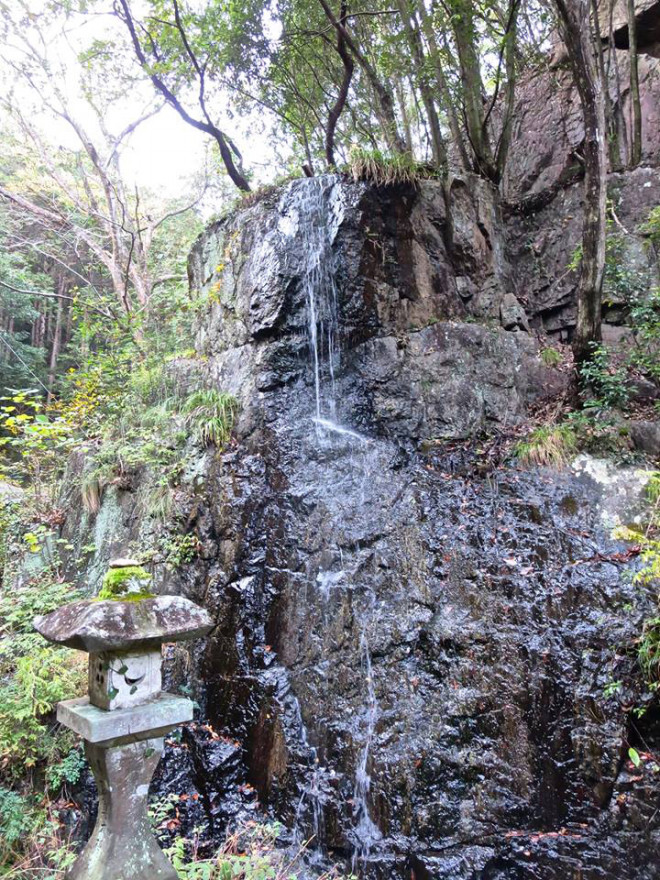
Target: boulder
(512,314)
(646,437)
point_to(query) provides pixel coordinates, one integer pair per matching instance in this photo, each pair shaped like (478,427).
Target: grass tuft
(210,415)
(648,650)
(551,357)
(374,167)
(548,445)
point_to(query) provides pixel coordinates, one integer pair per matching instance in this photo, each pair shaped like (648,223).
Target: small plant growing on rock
(548,445)
(648,651)
(551,357)
(210,415)
(374,167)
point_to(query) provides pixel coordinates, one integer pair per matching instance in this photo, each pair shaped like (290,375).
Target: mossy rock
(126,583)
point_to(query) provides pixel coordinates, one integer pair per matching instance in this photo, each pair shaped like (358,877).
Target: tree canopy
(273,89)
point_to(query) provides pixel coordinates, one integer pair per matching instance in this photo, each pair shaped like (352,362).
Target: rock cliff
(416,639)
(413,637)
(543,185)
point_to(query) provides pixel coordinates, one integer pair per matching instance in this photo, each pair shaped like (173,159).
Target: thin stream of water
(313,206)
(366,831)
(310,796)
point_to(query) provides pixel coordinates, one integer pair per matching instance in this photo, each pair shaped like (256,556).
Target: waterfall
(313,215)
(311,795)
(314,203)
(366,831)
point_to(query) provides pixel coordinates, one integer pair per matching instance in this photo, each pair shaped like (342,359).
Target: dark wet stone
(413,637)
(646,437)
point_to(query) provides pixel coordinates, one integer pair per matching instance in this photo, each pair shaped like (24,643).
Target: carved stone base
(122,846)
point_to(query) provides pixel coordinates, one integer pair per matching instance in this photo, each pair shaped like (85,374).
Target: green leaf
(633,754)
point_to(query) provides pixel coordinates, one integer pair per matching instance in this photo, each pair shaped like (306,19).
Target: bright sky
(163,154)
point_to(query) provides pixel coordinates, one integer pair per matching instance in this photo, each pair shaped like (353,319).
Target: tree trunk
(308,152)
(441,82)
(385,101)
(471,86)
(407,132)
(620,119)
(511,38)
(338,106)
(573,14)
(417,53)
(56,343)
(611,124)
(10,333)
(636,149)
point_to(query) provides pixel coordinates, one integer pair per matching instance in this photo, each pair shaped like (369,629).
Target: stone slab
(99,725)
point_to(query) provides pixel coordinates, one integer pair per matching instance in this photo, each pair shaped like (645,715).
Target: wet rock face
(541,244)
(406,287)
(412,643)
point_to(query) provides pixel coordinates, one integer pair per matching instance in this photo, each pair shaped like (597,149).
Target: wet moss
(126,597)
(124,583)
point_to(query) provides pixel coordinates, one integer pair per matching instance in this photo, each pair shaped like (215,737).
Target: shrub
(631,287)
(33,840)
(648,643)
(250,853)
(651,227)
(551,357)
(548,445)
(38,442)
(607,381)
(67,771)
(34,676)
(36,683)
(645,324)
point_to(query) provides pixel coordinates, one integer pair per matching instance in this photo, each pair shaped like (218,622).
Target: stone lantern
(126,715)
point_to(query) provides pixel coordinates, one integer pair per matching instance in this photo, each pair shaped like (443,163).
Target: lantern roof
(96,626)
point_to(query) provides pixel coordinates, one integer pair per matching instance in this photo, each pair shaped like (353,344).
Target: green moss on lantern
(126,583)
